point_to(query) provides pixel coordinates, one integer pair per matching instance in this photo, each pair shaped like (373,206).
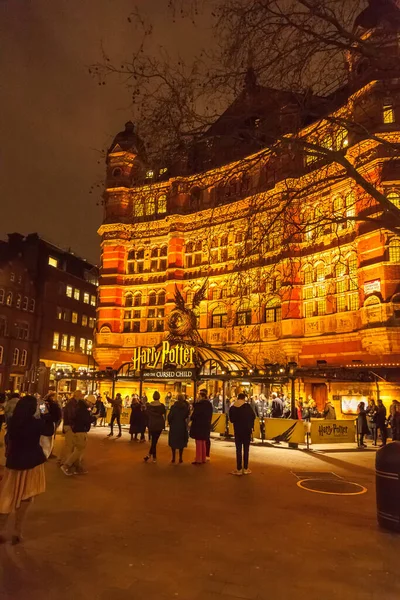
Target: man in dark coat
(201,426)
(80,426)
(178,427)
(276,406)
(242,416)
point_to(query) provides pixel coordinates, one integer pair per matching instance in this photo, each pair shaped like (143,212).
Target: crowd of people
(31,425)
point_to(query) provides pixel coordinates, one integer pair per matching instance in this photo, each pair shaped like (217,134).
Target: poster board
(333,432)
(285,430)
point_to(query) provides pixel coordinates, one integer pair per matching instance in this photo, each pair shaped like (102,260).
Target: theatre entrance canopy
(183,360)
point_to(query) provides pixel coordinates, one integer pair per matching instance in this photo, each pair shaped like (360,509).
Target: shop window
(84,320)
(86,298)
(394,198)
(53,262)
(82,345)
(56,341)
(93,300)
(15,357)
(388,111)
(74,317)
(24,357)
(72,343)
(77,294)
(219,318)
(394,251)
(243,317)
(64,341)
(32,304)
(9,299)
(69,291)
(2,296)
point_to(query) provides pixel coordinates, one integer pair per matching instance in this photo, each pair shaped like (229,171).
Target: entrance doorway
(319,392)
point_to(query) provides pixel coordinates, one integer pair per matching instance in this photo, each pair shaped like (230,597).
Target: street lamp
(292,367)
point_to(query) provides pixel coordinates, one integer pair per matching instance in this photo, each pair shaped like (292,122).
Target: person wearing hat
(155,423)
(80,425)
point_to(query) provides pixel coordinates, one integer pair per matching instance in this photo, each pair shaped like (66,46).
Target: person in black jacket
(242,416)
(24,475)
(137,420)
(80,425)
(178,427)
(155,412)
(381,421)
(201,426)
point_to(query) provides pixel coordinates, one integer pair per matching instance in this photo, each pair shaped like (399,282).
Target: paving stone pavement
(130,530)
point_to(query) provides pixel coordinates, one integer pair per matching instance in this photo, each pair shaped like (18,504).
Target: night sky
(55,119)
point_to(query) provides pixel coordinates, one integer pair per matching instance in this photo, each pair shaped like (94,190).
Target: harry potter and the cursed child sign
(178,355)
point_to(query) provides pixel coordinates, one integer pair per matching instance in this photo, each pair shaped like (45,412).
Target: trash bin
(387,466)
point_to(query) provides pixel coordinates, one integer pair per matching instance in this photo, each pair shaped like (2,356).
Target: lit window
(163,170)
(53,262)
(162,204)
(394,198)
(68,291)
(59,313)
(243,317)
(308,276)
(93,300)
(64,341)
(82,345)
(24,356)
(32,305)
(74,317)
(149,174)
(89,346)
(1,354)
(9,299)
(321,307)
(273,311)
(388,112)
(150,206)
(320,272)
(77,294)
(216,294)
(341,286)
(341,303)
(308,309)
(91,322)
(84,320)
(2,295)
(56,341)
(18,301)
(354,302)
(219,318)
(308,293)
(72,343)
(394,251)
(86,298)
(341,139)
(12,277)
(15,357)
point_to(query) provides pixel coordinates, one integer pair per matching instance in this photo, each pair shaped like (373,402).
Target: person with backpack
(80,426)
(242,416)
(155,412)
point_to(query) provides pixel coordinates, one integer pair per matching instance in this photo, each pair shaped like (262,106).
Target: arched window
(129,300)
(154,253)
(162,204)
(308,275)
(150,206)
(341,268)
(15,357)
(239,237)
(105,329)
(219,317)
(198,246)
(164,251)
(273,311)
(189,247)
(161,298)
(131,255)
(394,198)
(137,299)
(372,301)
(320,272)
(394,251)
(152,299)
(9,299)
(24,356)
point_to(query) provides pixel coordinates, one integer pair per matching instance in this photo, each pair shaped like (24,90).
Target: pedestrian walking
(242,416)
(137,420)
(80,426)
(201,426)
(24,475)
(362,425)
(381,421)
(68,416)
(178,427)
(155,412)
(116,404)
(100,412)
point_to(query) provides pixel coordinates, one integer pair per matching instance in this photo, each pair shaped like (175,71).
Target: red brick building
(316,282)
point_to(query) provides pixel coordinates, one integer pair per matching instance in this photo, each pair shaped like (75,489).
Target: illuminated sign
(161,374)
(178,355)
(328,432)
(372,286)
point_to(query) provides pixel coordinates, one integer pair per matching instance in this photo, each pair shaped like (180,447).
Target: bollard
(387,466)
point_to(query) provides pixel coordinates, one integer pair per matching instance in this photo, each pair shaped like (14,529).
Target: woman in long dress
(24,476)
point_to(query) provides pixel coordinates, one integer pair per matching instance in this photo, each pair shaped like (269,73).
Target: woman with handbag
(24,475)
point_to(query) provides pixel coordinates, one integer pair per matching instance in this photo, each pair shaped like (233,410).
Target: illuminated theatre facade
(317,285)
